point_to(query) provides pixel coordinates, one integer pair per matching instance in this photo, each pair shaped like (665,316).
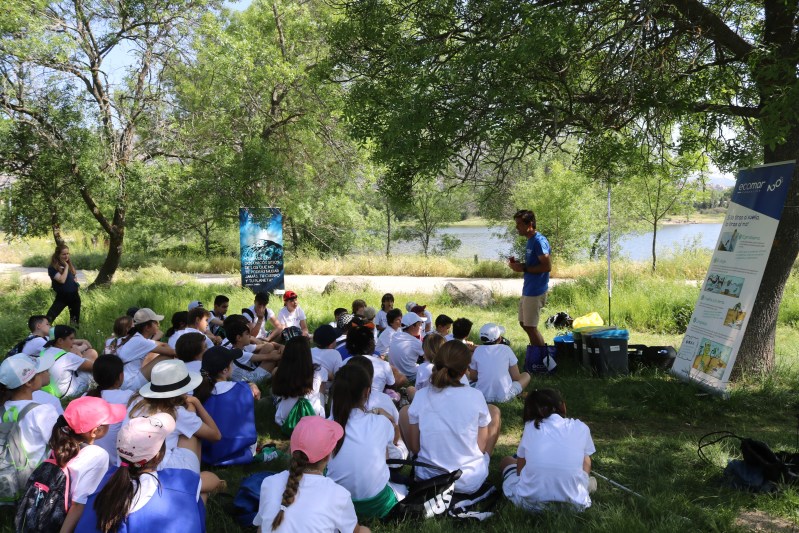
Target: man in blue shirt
(536,267)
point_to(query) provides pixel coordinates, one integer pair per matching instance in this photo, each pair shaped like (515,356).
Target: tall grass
(645,426)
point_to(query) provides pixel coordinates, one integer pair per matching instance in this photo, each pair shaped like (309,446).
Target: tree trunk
(112,258)
(55,223)
(756,354)
(207,239)
(654,242)
(388,230)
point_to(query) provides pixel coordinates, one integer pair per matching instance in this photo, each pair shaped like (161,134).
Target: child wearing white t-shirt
(140,350)
(431,344)
(108,373)
(359,459)
(20,376)
(449,424)
(386,305)
(71,373)
(292,315)
(495,367)
(393,323)
(72,442)
(297,378)
(197,323)
(553,461)
(302,498)
(255,362)
(325,354)
(39,326)
(190,348)
(121,327)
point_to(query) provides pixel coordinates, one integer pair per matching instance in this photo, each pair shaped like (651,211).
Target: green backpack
(302,408)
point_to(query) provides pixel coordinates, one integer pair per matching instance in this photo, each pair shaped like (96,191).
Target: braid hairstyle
(113,501)
(64,442)
(349,388)
(451,362)
(299,462)
(540,404)
(431,345)
(106,371)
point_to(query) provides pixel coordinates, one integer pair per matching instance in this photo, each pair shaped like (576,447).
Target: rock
(469,293)
(347,284)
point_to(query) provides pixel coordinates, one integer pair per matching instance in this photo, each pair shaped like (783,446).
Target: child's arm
(256,392)
(587,464)
(515,375)
(413,442)
(520,463)
(482,438)
(473,374)
(209,430)
(71,520)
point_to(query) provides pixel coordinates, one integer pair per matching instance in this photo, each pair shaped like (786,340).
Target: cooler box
(608,352)
(581,336)
(564,348)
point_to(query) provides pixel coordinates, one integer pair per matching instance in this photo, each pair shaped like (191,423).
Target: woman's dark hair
(387,297)
(349,387)
(294,376)
(393,315)
(363,362)
(299,462)
(431,344)
(60,332)
(361,341)
(179,321)
(54,261)
(541,403)
(113,501)
(106,371)
(64,442)
(189,346)
(149,406)
(206,387)
(235,326)
(451,362)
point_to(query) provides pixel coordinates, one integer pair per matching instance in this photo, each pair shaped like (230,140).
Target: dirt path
(405,284)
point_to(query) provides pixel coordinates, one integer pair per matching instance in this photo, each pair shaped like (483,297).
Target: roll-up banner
(261,237)
(721,314)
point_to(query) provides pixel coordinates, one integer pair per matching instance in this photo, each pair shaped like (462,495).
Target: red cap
(289,295)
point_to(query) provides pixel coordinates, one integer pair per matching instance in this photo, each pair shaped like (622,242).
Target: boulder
(469,293)
(347,284)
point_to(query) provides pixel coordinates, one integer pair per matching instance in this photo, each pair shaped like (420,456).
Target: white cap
(409,319)
(409,306)
(19,369)
(491,332)
(194,304)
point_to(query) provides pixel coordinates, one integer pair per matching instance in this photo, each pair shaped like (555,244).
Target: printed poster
(261,237)
(720,317)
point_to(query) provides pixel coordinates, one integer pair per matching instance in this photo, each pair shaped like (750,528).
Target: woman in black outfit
(65,284)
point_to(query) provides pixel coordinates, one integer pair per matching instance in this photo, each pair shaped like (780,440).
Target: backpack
(426,498)
(15,468)
(50,387)
(245,504)
(302,408)
(45,503)
(20,345)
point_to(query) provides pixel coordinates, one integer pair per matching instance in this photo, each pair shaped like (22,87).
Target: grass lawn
(645,425)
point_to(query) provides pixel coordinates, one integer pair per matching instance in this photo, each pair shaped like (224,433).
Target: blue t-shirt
(69,286)
(535,284)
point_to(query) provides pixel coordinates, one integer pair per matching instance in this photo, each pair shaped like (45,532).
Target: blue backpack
(245,503)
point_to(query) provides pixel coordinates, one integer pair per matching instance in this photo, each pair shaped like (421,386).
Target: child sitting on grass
(121,327)
(553,461)
(431,345)
(495,367)
(108,373)
(190,348)
(255,363)
(296,384)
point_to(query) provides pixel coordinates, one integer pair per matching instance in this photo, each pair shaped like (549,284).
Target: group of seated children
(376,385)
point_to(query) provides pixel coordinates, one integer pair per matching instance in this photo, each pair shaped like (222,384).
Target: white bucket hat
(169,379)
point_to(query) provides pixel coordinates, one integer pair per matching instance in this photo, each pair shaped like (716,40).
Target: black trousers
(62,300)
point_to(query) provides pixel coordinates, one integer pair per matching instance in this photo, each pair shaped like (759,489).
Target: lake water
(488,243)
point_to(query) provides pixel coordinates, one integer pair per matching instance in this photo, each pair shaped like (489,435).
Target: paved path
(404,284)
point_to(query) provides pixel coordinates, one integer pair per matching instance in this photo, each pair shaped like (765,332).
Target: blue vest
(234,414)
(174,508)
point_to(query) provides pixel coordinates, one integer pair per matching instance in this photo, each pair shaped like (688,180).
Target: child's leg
(209,484)
(524,380)
(404,423)
(493,428)
(506,462)
(399,378)
(192,444)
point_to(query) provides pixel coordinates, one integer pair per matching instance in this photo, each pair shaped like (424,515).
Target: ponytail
(206,386)
(541,404)
(348,393)
(106,371)
(299,462)
(450,364)
(5,393)
(64,442)
(113,501)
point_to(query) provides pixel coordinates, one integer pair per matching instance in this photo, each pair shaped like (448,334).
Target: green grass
(645,425)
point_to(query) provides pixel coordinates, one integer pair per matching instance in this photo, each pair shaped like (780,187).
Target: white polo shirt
(404,351)
(493,363)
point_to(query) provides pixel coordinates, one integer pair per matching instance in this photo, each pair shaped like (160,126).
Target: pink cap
(316,437)
(86,413)
(142,438)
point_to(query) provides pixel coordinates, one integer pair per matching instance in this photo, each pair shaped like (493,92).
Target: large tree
(436,82)
(55,53)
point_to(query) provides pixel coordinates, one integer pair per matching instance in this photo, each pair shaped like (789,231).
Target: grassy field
(645,425)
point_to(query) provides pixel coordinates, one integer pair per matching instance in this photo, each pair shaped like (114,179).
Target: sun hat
(325,335)
(289,295)
(88,412)
(194,304)
(315,437)
(146,314)
(491,332)
(170,378)
(218,358)
(409,319)
(17,370)
(142,437)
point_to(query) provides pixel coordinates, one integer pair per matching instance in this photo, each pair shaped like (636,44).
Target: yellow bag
(591,319)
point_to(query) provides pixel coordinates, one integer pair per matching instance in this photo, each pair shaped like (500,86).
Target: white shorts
(253,376)
(180,458)
(514,390)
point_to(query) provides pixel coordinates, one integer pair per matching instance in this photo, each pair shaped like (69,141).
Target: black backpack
(20,345)
(45,502)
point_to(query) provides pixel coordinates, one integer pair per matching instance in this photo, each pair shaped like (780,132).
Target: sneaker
(591,484)
(266,453)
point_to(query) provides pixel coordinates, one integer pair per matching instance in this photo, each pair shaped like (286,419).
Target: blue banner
(261,238)
(763,189)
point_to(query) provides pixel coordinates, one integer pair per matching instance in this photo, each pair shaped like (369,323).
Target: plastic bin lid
(567,337)
(621,334)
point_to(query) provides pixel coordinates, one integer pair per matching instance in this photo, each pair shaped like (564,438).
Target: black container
(608,356)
